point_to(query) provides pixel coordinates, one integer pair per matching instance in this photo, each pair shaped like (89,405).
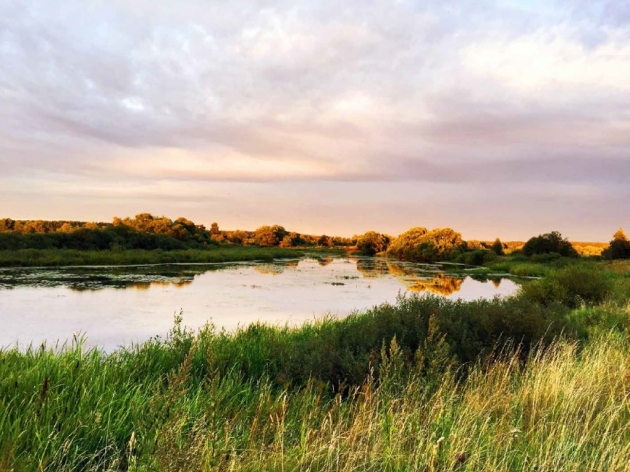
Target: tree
(372,243)
(619,247)
(497,247)
(549,243)
(269,235)
(324,241)
(421,245)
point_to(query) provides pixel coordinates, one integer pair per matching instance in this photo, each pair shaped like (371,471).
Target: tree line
(146,231)
(420,244)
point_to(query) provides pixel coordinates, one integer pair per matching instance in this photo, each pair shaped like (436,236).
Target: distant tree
(549,243)
(214,229)
(292,239)
(238,236)
(372,243)
(473,245)
(421,245)
(6,225)
(325,241)
(497,247)
(619,247)
(620,235)
(269,235)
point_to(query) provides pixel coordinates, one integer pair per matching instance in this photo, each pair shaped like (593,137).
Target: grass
(69,257)
(427,384)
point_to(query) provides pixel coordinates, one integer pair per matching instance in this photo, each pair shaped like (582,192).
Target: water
(114,306)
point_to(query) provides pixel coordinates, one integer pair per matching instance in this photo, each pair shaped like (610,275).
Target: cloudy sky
(497,118)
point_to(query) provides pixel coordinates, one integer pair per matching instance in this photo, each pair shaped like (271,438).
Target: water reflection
(439,285)
(324,261)
(82,278)
(51,304)
(275,268)
(147,285)
(415,277)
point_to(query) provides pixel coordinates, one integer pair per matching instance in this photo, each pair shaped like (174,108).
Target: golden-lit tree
(372,243)
(422,245)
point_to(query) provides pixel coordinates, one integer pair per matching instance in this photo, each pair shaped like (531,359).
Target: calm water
(115,306)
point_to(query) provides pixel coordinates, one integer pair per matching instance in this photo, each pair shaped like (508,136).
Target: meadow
(538,381)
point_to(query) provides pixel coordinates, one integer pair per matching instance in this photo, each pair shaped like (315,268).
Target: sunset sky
(496,118)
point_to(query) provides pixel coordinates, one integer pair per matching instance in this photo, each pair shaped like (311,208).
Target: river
(114,306)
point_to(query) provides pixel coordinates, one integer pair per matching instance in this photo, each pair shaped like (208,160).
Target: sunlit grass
(566,408)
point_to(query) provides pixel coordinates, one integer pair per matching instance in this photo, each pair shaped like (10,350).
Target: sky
(496,118)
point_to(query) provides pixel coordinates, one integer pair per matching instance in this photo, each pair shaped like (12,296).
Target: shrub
(572,286)
(478,257)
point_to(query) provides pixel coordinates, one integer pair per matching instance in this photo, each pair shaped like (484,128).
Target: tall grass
(566,408)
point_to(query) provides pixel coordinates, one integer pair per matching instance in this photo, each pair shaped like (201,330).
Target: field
(539,381)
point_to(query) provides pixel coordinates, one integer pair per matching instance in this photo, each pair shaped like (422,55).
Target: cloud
(449,92)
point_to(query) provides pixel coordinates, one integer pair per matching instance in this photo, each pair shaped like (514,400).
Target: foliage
(619,247)
(421,245)
(146,231)
(270,235)
(476,257)
(497,247)
(372,243)
(549,243)
(572,286)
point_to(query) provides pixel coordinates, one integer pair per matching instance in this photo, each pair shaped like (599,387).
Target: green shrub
(572,286)
(478,257)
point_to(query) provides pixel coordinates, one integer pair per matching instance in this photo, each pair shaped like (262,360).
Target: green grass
(426,384)
(67,257)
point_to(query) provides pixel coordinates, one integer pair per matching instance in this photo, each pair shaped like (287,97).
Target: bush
(572,286)
(478,257)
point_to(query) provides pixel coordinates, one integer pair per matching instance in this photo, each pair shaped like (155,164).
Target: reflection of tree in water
(496,282)
(440,285)
(371,268)
(158,283)
(415,277)
(324,261)
(274,269)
